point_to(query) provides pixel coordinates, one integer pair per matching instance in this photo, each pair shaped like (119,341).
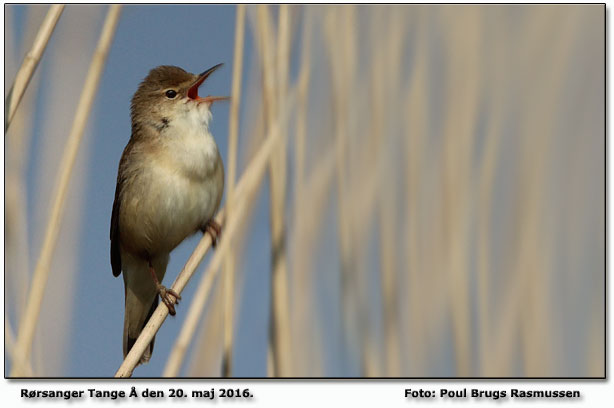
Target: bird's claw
(169,297)
(214,230)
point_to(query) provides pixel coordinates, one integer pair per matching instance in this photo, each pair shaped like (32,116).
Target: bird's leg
(214,230)
(164,292)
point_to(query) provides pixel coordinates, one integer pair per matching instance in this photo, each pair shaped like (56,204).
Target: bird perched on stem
(169,185)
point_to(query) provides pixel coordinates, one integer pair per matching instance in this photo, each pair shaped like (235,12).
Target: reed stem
(30,62)
(233,130)
(41,273)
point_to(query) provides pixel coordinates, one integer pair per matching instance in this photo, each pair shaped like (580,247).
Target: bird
(170,182)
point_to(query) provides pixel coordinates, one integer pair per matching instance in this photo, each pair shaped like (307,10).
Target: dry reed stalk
(530,258)
(536,327)
(366,180)
(367,201)
(302,108)
(9,339)
(195,311)
(9,347)
(273,79)
(506,333)
(341,81)
(41,273)
(30,62)
(205,354)
(361,166)
(66,61)
(365,169)
(16,227)
(486,177)
(264,41)
(278,168)
(208,349)
(317,186)
(387,89)
(459,131)
(17,146)
(533,253)
(193,317)
(308,224)
(485,186)
(417,126)
(245,189)
(370,190)
(233,130)
(303,295)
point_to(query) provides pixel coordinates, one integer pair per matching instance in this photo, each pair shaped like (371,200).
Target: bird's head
(169,93)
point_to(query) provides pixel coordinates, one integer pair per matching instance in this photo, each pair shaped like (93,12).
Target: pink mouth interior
(193,93)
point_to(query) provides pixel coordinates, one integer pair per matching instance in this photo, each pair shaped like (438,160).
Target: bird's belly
(165,208)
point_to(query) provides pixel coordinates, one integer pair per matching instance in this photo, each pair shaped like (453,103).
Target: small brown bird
(169,185)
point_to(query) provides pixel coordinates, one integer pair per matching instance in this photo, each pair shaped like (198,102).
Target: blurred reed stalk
(278,168)
(386,71)
(457,180)
(17,146)
(41,273)
(9,344)
(486,172)
(302,291)
(416,126)
(274,80)
(31,62)
(340,46)
(179,350)
(233,130)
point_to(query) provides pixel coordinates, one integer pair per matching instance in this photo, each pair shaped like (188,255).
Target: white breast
(180,187)
(187,139)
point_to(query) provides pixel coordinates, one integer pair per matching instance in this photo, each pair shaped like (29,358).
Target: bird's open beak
(193,91)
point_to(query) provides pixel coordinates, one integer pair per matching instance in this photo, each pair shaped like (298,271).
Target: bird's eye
(170,94)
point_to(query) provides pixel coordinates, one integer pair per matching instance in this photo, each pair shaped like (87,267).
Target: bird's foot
(169,297)
(214,229)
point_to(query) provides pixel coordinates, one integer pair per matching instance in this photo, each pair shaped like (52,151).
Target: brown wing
(116,260)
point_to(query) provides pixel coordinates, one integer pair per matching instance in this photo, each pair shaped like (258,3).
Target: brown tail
(130,340)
